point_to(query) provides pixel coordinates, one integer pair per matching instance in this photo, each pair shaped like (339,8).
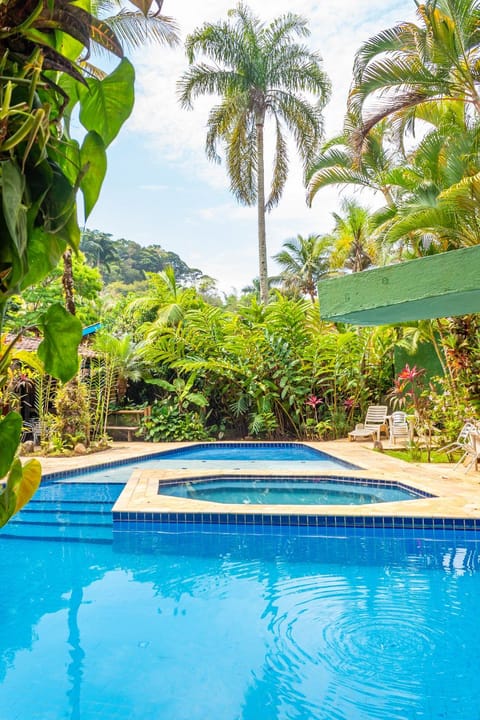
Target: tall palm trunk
(262,235)
(67,281)
(357,256)
(311,289)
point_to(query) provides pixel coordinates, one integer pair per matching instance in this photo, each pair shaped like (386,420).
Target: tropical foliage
(353,247)
(42,168)
(304,261)
(406,68)
(411,135)
(245,367)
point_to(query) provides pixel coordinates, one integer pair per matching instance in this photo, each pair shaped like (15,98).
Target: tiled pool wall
(154,521)
(313,479)
(74,472)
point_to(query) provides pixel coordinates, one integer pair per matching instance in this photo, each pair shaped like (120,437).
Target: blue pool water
(249,456)
(234,624)
(284,491)
(254,454)
(249,451)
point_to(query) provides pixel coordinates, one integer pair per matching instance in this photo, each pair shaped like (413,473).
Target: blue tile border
(150,520)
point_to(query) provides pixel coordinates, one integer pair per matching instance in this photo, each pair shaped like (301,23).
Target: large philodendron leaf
(94,165)
(69,160)
(28,486)
(107,103)
(44,251)
(22,483)
(59,349)
(13,189)
(53,195)
(10,433)
(8,498)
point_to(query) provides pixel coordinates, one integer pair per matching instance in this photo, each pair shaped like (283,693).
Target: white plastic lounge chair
(31,429)
(398,426)
(375,420)
(462,440)
(471,450)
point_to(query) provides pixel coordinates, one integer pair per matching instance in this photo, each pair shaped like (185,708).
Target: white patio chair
(32,429)
(462,440)
(471,450)
(375,420)
(27,429)
(398,426)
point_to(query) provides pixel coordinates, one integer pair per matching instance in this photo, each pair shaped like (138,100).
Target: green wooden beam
(441,285)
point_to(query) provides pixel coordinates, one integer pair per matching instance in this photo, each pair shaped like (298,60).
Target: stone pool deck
(457,493)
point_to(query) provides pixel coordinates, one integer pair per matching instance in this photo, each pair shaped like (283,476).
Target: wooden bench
(129,429)
(130,413)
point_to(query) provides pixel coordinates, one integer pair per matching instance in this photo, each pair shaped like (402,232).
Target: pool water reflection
(244,623)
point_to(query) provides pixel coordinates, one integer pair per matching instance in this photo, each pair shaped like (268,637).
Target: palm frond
(134,29)
(280,169)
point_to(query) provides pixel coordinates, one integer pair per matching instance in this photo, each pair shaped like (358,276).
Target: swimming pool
(252,451)
(274,623)
(186,622)
(258,455)
(271,490)
(236,456)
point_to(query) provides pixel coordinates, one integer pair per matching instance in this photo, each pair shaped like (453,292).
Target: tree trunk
(67,281)
(262,237)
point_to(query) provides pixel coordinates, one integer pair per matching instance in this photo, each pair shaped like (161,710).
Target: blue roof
(91,329)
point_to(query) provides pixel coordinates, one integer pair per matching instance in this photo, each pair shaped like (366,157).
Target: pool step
(79,492)
(55,517)
(44,531)
(66,511)
(67,506)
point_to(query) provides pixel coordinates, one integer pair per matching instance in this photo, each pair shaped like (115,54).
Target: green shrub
(167,423)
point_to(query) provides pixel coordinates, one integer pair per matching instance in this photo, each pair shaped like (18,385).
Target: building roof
(31,344)
(443,285)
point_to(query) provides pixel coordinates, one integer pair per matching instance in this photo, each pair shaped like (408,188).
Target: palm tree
(259,71)
(136,28)
(437,207)
(163,305)
(406,66)
(124,358)
(353,248)
(337,164)
(304,260)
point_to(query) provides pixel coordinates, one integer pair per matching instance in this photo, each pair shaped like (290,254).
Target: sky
(161,189)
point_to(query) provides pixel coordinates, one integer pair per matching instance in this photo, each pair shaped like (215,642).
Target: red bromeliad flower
(313,401)
(411,374)
(349,403)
